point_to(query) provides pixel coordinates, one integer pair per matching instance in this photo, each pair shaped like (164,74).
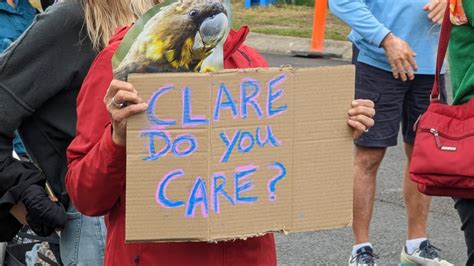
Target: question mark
(272,182)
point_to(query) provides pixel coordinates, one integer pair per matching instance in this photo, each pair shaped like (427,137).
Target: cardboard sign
(234,154)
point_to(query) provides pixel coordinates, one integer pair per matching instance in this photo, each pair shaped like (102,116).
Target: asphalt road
(332,247)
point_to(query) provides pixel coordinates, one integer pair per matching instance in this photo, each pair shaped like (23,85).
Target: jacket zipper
(437,136)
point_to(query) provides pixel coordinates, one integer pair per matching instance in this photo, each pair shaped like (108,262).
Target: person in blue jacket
(15,17)
(395,44)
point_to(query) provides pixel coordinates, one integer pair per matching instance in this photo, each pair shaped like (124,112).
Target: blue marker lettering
(246,99)
(273,96)
(270,138)
(229,104)
(218,188)
(272,182)
(230,144)
(188,120)
(154,155)
(197,197)
(190,139)
(160,195)
(240,174)
(150,113)
(243,136)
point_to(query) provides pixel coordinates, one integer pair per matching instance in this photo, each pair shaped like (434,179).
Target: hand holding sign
(361,116)
(121,92)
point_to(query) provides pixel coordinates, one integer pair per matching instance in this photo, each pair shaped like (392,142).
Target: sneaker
(426,254)
(364,257)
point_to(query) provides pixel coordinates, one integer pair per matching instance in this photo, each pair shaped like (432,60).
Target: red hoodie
(96,175)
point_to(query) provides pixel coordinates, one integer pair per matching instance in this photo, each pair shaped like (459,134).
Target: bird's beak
(211,31)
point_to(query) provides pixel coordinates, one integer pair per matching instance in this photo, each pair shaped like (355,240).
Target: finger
(357,134)
(395,72)
(366,121)
(403,76)
(439,17)
(126,96)
(400,71)
(119,115)
(412,61)
(427,7)
(437,13)
(363,102)
(440,8)
(117,85)
(432,13)
(362,110)
(357,127)
(408,70)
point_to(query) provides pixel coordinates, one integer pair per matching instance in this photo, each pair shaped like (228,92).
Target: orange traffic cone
(319,25)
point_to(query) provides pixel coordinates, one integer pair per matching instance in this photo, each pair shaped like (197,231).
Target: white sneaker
(426,254)
(364,257)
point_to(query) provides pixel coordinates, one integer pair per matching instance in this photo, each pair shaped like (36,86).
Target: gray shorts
(395,101)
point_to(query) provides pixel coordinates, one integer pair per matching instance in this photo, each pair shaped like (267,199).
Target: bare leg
(366,164)
(417,204)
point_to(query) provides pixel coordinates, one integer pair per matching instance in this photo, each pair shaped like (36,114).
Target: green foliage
(286,20)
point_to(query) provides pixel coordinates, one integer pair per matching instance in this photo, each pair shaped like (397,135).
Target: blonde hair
(103,17)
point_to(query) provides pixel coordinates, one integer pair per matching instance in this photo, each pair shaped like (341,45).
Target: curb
(285,44)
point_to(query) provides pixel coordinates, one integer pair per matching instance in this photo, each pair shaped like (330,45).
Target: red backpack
(238,55)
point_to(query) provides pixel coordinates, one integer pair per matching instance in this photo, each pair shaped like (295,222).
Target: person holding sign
(97,158)
(395,62)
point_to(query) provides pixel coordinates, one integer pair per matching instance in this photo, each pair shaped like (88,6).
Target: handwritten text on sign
(160,143)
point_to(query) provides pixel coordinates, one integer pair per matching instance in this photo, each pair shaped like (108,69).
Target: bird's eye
(193,13)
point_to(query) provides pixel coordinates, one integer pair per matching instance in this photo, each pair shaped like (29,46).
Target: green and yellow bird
(177,39)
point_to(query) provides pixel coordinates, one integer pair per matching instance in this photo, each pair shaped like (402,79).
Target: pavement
(332,247)
(286,45)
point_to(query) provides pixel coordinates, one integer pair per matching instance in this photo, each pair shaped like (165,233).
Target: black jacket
(40,77)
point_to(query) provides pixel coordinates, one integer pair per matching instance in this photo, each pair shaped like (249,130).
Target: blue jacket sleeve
(357,15)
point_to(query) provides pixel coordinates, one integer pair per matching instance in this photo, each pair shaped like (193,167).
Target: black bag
(24,242)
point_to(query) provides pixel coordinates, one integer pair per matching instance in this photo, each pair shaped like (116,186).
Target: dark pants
(465,209)
(396,102)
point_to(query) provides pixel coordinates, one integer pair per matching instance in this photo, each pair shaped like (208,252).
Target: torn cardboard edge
(312,200)
(241,237)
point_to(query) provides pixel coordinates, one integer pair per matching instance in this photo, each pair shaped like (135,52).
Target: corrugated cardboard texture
(288,166)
